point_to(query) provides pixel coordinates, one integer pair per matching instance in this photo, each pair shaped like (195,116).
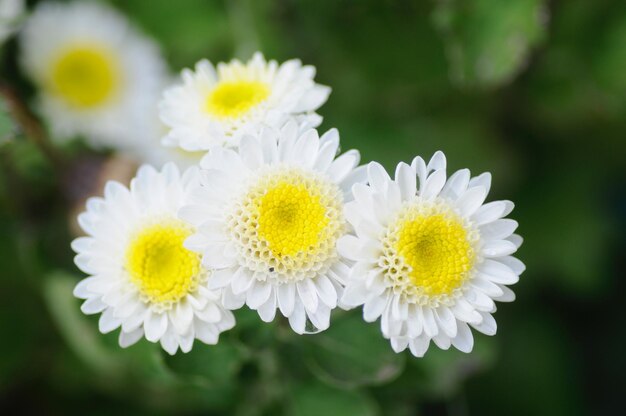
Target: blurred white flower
(10,12)
(217,107)
(97,76)
(268,217)
(142,279)
(431,258)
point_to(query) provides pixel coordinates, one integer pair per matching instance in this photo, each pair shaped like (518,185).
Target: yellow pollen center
(437,250)
(84,76)
(233,99)
(163,270)
(287,223)
(291,219)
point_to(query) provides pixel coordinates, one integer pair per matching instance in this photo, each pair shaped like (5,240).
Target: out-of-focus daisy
(268,218)
(431,258)
(96,74)
(217,107)
(142,279)
(10,11)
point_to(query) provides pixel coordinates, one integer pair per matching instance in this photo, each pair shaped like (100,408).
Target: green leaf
(315,399)
(208,364)
(488,41)
(99,352)
(445,371)
(352,353)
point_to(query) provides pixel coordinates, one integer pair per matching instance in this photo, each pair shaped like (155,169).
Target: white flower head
(142,279)
(10,12)
(217,106)
(268,218)
(97,76)
(431,258)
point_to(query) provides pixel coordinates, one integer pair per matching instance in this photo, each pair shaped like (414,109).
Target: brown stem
(31,126)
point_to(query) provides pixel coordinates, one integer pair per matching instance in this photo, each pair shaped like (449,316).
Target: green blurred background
(533,91)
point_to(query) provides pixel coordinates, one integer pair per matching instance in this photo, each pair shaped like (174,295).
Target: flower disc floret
(288,222)
(163,270)
(428,253)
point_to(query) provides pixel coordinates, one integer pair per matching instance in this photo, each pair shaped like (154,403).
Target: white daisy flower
(268,219)
(216,107)
(431,258)
(95,73)
(142,279)
(10,12)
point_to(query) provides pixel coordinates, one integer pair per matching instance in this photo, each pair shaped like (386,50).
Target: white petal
(498,229)
(232,301)
(169,342)
(515,264)
(377,176)
(430,324)
(308,295)
(433,185)
(181,316)
(399,344)
(343,165)
(498,272)
(507,295)
(267,311)
(488,326)
(437,162)
(374,307)
(355,294)
(442,341)
(446,321)
(326,291)
(93,306)
(419,346)
(471,200)
(258,294)
(286,293)
(484,180)
(406,180)
(155,326)
(464,341)
(242,280)
(215,256)
(126,339)
(297,319)
(108,322)
(220,278)
(456,184)
(498,248)
(464,312)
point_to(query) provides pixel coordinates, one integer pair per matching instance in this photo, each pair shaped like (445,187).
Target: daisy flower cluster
(244,203)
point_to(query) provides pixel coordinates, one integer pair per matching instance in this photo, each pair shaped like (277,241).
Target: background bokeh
(533,91)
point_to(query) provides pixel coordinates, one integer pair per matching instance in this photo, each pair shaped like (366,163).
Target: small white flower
(268,219)
(97,76)
(10,11)
(431,258)
(142,279)
(217,107)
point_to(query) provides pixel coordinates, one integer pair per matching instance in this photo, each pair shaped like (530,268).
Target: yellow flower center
(291,219)
(428,252)
(288,223)
(232,99)
(163,270)
(437,251)
(85,76)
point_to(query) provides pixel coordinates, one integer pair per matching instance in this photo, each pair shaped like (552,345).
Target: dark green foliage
(532,90)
